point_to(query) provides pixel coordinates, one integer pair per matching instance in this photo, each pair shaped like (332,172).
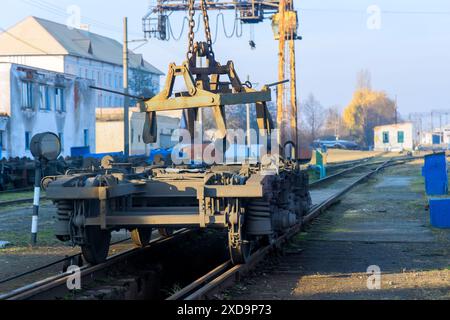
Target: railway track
(56,286)
(226,275)
(221,276)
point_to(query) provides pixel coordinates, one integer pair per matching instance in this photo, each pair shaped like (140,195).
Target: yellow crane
(285,25)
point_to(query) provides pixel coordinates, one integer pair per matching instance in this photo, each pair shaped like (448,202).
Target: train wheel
(165,232)
(240,252)
(239,243)
(96,246)
(141,236)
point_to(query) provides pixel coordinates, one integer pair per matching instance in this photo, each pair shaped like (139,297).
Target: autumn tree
(367,110)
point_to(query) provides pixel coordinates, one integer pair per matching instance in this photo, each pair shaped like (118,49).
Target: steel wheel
(165,232)
(239,254)
(239,243)
(96,247)
(141,236)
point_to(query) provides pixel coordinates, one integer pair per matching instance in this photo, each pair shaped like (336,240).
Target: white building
(394,137)
(440,136)
(52,46)
(110,125)
(34,100)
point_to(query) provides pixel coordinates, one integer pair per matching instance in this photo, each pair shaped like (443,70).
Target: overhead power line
(61,12)
(360,11)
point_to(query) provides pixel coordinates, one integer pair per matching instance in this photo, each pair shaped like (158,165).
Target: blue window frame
(60,101)
(386,137)
(2,144)
(61,139)
(86,137)
(27,140)
(44,98)
(27,95)
(401,137)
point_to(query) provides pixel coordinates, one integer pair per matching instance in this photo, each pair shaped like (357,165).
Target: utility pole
(432,124)
(281,73)
(396,110)
(126,112)
(249,135)
(293,93)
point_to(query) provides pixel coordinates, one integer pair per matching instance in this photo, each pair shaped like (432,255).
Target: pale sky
(409,56)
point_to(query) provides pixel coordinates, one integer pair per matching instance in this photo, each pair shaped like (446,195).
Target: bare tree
(313,116)
(334,124)
(364,80)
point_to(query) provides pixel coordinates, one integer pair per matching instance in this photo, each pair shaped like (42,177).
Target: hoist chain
(191,14)
(190,52)
(207,28)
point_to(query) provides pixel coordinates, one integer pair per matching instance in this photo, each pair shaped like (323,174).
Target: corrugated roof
(90,45)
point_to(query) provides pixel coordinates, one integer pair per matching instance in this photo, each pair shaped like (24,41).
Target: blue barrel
(440,212)
(435,174)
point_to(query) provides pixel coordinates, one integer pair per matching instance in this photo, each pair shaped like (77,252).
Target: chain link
(191,33)
(207,27)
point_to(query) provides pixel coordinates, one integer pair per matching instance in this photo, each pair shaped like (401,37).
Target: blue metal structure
(435,174)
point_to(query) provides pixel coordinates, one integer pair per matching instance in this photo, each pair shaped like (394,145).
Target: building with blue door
(395,137)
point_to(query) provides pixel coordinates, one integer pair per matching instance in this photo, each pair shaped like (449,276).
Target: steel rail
(15,190)
(225,275)
(47,285)
(222,271)
(357,166)
(19,201)
(43,267)
(51,264)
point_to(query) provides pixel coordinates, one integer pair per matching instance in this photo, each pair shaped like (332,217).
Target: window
(110,80)
(27,95)
(385,137)
(132,135)
(115,82)
(44,98)
(86,137)
(27,140)
(2,142)
(60,104)
(61,139)
(99,79)
(99,101)
(401,137)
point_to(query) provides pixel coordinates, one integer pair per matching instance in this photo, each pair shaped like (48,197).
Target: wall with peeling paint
(78,116)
